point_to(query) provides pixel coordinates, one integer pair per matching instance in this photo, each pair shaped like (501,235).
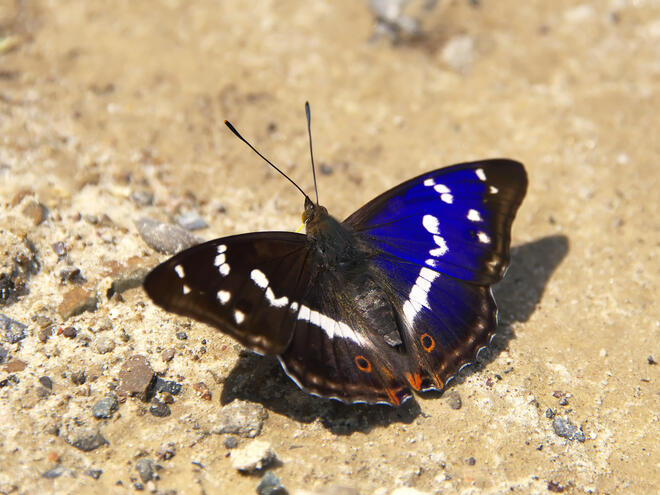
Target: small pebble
(55,472)
(104,408)
(78,377)
(160,410)
(3,355)
(44,334)
(565,429)
(35,211)
(549,413)
(169,386)
(13,331)
(136,378)
(70,332)
(230,442)
(270,484)
(71,274)
(459,53)
(164,237)
(81,436)
(15,366)
(651,360)
(454,399)
(203,390)
(145,468)
(470,461)
(104,345)
(241,418)
(166,451)
(59,248)
(253,457)
(563,401)
(46,382)
(168,354)
(75,302)
(94,473)
(325,169)
(142,198)
(181,335)
(191,220)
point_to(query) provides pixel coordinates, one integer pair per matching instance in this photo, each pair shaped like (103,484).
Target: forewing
(245,285)
(455,220)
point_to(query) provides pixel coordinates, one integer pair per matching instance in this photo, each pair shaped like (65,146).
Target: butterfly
(395,299)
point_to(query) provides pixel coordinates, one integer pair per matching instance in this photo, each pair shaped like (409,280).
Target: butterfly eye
(363,364)
(427,342)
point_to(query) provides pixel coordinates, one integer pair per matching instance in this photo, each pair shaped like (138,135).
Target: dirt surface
(113,111)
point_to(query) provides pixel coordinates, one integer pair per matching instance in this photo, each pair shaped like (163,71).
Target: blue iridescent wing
(455,220)
(440,240)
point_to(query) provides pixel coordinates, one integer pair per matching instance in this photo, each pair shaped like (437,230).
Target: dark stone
(145,468)
(270,484)
(104,408)
(169,386)
(565,429)
(182,335)
(168,354)
(470,461)
(59,248)
(164,237)
(651,360)
(3,355)
(160,410)
(15,366)
(14,331)
(128,276)
(325,169)
(555,487)
(81,436)
(44,334)
(549,413)
(142,198)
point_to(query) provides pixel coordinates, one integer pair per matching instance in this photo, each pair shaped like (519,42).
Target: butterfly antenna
(237,134)
(311,150)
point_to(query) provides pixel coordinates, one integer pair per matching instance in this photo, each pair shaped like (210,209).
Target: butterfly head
(313,213)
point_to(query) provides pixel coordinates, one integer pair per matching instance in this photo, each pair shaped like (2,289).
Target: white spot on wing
(223,296)
(494,190)
(220,259)
(431,224)
(442,246)
(481,174)
(222,248)
(186,289)
(429,182)
(179,271)
(447,198)
(239,316)
(441,189)
(483,237)
(474,216)
(418,297)
(224,270)
(294,306)
(277,302)
(259,278)
(330,326)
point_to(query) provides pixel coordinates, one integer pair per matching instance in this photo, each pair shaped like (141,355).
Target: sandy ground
(112,111)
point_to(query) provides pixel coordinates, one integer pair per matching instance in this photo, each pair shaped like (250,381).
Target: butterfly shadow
(261,379)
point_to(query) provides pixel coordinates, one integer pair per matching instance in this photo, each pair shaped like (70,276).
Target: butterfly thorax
(334,246)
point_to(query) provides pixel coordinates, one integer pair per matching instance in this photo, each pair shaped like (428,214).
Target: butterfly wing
(441,239)
(455,220)
(246,285)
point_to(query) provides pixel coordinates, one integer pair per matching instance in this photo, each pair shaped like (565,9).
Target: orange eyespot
(363,363)
(415,380)
(427,342)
